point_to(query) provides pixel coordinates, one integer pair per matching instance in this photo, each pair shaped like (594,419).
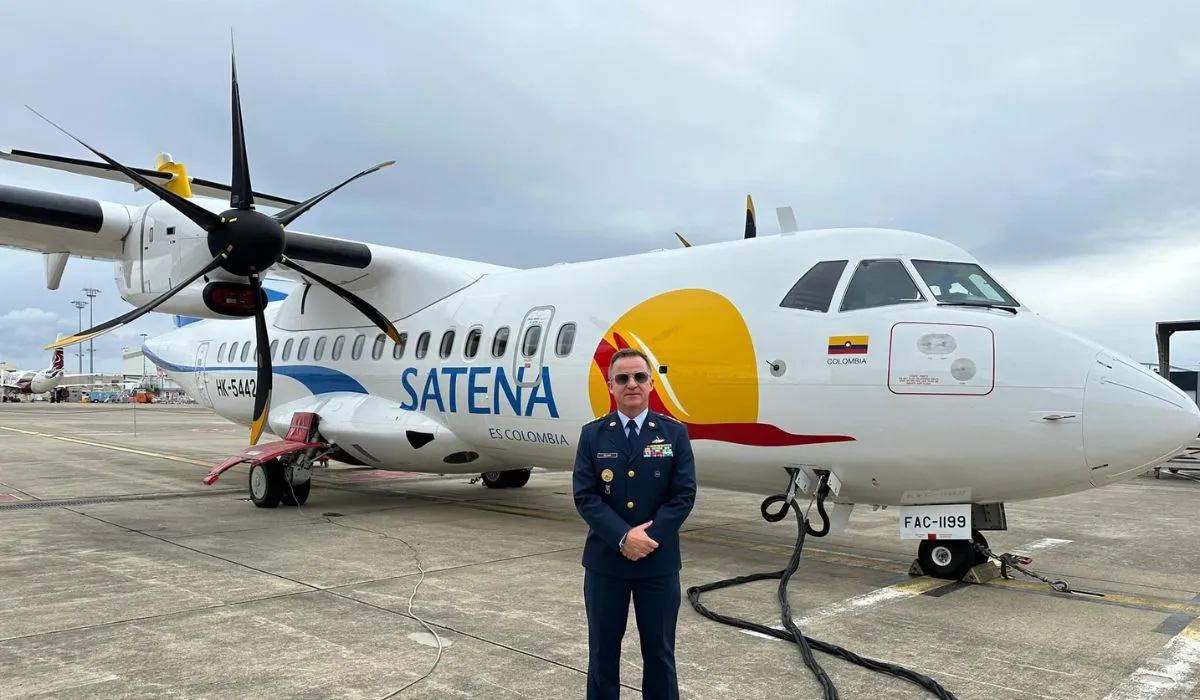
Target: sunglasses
(639,377)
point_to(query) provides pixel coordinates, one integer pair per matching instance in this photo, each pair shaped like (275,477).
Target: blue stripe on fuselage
(318,380)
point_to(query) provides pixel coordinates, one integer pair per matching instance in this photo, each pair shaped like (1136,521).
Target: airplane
(17,383)
(872,367)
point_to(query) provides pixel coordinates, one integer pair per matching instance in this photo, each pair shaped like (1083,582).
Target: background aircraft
(889,366)
(19,383)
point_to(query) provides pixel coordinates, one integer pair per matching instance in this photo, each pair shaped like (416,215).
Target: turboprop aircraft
(887,365)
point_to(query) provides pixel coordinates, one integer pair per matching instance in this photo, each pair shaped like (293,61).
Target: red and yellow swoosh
(711,382)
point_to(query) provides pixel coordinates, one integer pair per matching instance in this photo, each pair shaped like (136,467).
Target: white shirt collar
(640,418)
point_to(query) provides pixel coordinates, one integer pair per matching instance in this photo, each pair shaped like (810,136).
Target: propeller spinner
(243,242)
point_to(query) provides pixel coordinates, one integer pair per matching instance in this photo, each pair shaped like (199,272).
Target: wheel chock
(982,573)
(915,569)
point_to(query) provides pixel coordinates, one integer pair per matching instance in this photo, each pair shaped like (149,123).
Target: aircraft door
(202,374)
(147,235)
(532,338)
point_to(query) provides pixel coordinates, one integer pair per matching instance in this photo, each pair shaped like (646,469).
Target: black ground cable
(791,632)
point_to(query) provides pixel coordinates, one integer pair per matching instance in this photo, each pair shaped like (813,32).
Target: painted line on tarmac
(921,585)
(1179,621)
(1172,672)
(864,602)
(117,448)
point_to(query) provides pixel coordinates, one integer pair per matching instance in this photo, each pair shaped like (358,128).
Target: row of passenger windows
(241,351)
(887,281)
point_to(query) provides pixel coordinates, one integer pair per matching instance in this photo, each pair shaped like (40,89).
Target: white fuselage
(30,382)
(946,404)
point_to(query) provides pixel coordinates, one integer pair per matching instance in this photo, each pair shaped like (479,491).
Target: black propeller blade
(139,311)
(262,351)
(243,242)
(751,227)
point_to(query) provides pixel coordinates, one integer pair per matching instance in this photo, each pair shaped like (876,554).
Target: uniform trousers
(656,608)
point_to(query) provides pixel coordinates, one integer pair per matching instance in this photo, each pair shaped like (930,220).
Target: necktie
(632,427)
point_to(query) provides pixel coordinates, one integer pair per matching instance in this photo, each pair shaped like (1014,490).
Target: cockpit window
(880,283)
(814,291)
(966,282)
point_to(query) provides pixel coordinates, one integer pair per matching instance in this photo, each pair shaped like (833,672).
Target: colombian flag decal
(848,344)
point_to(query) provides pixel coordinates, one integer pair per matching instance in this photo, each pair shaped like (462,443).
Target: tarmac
(123,576)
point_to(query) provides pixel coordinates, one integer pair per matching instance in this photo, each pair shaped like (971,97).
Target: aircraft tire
(512,479)
(301,492)
(266,484)
(946,559)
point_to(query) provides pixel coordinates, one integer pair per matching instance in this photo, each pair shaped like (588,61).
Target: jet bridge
(1187,464)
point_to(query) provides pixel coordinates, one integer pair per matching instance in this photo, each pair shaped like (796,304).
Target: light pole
(79,304)
(145,382)
(91,292)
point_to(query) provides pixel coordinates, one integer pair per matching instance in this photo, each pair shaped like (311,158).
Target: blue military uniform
(619,484)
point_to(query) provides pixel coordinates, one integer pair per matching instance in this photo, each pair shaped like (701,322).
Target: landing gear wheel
(266,484)
(300,491)
(946,559)
(513,479)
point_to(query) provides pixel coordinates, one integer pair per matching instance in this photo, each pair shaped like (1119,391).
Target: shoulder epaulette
(596,420)
(673,419)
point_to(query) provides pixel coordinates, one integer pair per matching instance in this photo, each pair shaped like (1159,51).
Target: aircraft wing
(206,188)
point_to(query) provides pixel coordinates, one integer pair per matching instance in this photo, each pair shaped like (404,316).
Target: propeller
(243,242)
(751,226)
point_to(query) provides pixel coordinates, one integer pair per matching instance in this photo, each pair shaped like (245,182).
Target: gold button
(631,472)
(629,504)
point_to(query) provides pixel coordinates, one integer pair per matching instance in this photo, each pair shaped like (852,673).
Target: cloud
(1052,140)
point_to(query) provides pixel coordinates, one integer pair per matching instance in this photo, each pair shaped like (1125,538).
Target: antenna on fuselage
(787,220)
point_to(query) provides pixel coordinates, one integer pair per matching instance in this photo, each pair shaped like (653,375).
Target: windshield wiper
(981,304)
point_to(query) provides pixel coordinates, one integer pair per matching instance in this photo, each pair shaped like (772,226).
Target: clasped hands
(637,543)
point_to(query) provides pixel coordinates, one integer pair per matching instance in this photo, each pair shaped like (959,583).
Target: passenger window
(338,344)
(814,291)
(319,349)
(447,344)
(962,282)
(302,350)
(500,342)
(221,352)
(398,348)
(246,351)
(232,352)
(274,347)
(359,342)
(377,348)
(530,344)
(287,349)
(471,347)
(566,340)
(422,344)
(879,283)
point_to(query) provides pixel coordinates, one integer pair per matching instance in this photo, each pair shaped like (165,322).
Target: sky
(1057,142)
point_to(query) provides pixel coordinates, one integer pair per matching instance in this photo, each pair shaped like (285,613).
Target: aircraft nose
(1133,419)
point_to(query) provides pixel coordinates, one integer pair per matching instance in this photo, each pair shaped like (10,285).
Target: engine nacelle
(163,248)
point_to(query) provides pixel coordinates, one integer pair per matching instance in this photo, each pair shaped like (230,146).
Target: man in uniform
(634,484)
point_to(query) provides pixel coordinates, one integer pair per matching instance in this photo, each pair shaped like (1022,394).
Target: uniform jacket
(619,486)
